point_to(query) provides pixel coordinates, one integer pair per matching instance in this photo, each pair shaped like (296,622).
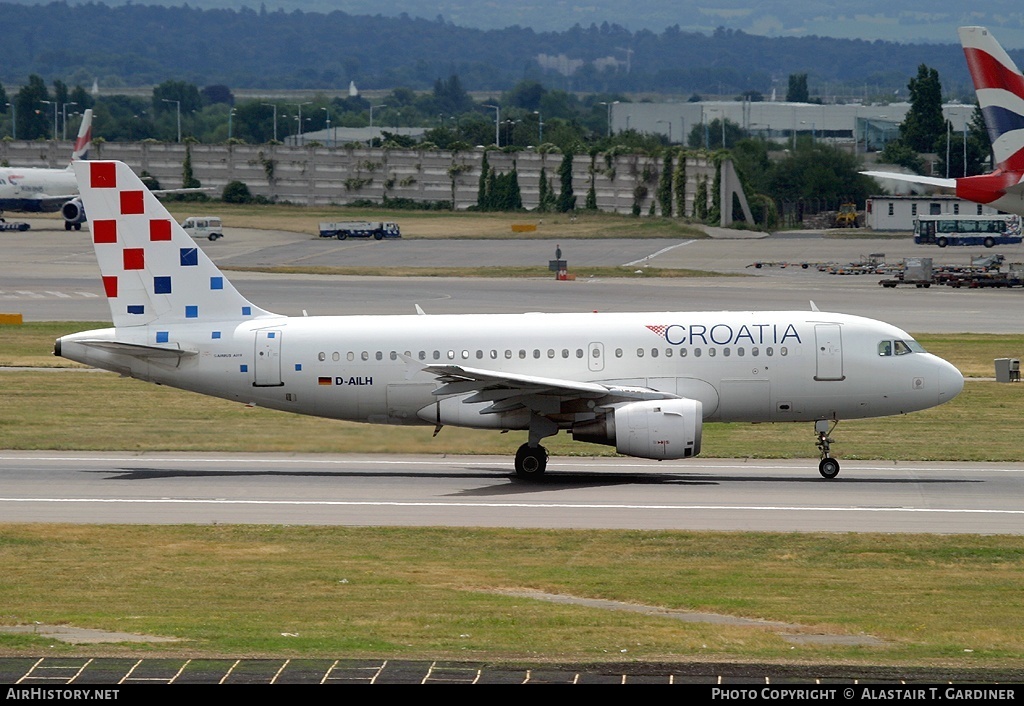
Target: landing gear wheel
(828,468)
(531,461)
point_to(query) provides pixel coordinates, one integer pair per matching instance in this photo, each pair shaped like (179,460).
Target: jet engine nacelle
(73,213)
(659,429)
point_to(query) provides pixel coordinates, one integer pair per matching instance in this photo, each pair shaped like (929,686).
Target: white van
(203,227)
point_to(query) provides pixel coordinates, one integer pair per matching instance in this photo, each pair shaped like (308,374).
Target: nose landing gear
(829,467)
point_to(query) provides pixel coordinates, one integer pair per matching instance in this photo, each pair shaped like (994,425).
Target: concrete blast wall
(321,176)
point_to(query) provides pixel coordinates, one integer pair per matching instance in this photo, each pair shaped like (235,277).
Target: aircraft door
(595,357)
(829,352)
(267,359)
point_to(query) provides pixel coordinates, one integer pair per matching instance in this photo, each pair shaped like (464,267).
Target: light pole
(497,120)
(64,119)
(540,128)
(14,120)
(609,114)
(328,113)
(231,113)
(509,129)
(177,105)
(274,106)
(298,139)
(371,120)
(54,104)
(669,123)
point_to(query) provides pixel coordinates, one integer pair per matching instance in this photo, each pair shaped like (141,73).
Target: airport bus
(991,230)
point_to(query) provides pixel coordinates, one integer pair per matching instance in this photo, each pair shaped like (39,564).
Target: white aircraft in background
(642,382)
(39,190)
(999,86)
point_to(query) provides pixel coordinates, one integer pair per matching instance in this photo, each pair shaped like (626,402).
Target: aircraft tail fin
(999,86)
(84,140)
(153,271)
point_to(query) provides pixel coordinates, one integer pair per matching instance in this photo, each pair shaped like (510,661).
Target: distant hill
(903,21)
(139,45)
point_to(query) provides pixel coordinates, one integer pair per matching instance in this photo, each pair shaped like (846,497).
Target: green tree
(797,91)
(710,135)
(546,201)
(924,124)
(665,185)
(483,201)
(899,152)
(236,192)
(972,156)
(33,122)
(977,132)
(566,199)
(818,170)
(81,98)
(188,179)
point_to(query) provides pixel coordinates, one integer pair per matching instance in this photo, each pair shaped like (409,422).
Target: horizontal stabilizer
(934,182)
(138,350)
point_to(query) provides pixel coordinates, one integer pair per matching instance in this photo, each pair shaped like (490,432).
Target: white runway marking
(645,258)
(521,505)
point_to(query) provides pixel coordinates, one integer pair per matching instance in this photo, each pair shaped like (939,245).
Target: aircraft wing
(934,182)
(508,391)
(47,198)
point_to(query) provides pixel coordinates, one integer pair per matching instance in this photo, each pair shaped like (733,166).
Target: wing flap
(512,391)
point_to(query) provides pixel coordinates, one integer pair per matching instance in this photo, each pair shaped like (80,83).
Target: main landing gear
(532,458)
(829,467)
(531,461)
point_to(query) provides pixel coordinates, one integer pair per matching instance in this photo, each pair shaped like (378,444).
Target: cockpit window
(898,347)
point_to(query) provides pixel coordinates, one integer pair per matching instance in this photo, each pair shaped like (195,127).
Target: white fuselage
(33,190)
(741,366)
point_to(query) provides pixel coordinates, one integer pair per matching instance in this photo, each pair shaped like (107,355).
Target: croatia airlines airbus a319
(644,383)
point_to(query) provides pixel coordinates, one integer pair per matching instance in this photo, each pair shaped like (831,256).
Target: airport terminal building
(861,127)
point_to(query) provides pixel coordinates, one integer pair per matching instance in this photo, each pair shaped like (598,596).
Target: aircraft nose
(951,382)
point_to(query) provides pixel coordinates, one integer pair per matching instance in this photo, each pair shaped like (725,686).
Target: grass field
(439,593)
(436,593)
(443,224)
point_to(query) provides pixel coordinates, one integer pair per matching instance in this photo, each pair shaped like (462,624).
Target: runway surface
(481,491)
(52,275)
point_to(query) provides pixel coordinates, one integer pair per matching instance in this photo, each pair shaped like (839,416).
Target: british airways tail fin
(84,140)
(153,272)
(999,85)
